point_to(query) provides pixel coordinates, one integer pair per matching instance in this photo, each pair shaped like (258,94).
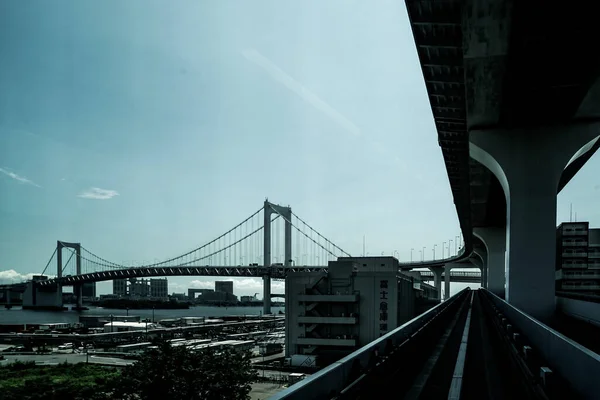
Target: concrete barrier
(576,364)
(335,377)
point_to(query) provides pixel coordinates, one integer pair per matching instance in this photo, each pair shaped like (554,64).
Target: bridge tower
(78,288)
(286,213)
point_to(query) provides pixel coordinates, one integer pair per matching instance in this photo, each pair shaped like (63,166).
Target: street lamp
(423,253)
(411,250)
(456,245)
(434,246)
(396,254)
(449,246)
(443,248)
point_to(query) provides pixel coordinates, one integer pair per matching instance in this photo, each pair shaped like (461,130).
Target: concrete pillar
(495,243)
(529,163)
(437,281)
(7,296)
(267,258)
(481,262)
(447,269)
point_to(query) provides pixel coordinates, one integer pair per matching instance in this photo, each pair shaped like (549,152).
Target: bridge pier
(7,299)
(447,269)
(286,213)
(529,164)
(495,243)
(437,281)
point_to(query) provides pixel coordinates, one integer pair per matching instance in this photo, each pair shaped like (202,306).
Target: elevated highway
(515,95)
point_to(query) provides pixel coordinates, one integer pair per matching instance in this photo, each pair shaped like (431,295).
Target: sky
(143,130)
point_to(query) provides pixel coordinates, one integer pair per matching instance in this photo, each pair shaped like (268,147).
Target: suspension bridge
(269,243)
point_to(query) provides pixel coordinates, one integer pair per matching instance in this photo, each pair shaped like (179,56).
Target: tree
(177,373)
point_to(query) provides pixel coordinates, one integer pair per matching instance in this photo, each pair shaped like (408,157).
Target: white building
(358,300)
(118,326)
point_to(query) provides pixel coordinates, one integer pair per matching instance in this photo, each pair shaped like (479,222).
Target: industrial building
(214,296)
(224,286)
(159,288)
(330,314)
(88,290)
(120,326)
(578,258)
(139,287)
(120,287)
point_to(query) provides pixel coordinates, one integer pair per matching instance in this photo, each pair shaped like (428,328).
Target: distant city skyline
(143,130)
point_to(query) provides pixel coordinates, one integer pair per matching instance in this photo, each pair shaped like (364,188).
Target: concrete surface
(262,390)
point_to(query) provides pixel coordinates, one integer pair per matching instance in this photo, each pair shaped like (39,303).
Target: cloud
(18,177)
(12,276)
(296,87)
(98,194)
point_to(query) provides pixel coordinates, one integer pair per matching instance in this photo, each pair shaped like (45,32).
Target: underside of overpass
(504,66)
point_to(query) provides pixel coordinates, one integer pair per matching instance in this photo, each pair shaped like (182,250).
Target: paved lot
(54,359)
(261,390)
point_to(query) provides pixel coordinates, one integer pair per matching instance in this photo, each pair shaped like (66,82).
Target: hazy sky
(143,129)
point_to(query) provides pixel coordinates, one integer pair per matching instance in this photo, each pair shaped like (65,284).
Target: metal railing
(331,380)
(579,366)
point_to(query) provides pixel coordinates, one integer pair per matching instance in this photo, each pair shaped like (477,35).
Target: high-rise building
(224,286)
(88,290)
(120,287)
(159,287)
(577,258)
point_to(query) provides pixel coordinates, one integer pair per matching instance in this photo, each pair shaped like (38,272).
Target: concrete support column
(437,281)
(495,243)
(529,163)
(447,269)
(7,296)
(481,262)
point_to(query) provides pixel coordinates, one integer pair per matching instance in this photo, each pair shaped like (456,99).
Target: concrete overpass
(515,96)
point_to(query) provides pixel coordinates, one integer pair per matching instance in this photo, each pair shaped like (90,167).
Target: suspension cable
(68,261)
(181,256)
(327,240)
(311,239)
(49,261)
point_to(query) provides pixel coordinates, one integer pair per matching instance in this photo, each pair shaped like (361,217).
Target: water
(17,315)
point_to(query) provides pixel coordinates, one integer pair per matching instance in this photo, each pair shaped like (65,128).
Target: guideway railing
(357,368)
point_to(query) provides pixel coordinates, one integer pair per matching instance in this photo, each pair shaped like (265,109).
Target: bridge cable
(68,261)
(174,258)
(327,240)
(310,238)
(49,261)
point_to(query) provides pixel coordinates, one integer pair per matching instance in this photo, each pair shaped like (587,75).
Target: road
(55,359)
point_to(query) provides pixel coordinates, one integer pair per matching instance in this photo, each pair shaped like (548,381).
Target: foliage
(26,381)
(176,373)
(165,373)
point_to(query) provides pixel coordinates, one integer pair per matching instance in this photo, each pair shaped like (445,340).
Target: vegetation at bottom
(168,372)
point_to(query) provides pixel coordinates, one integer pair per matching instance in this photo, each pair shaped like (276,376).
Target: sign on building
(383,307)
